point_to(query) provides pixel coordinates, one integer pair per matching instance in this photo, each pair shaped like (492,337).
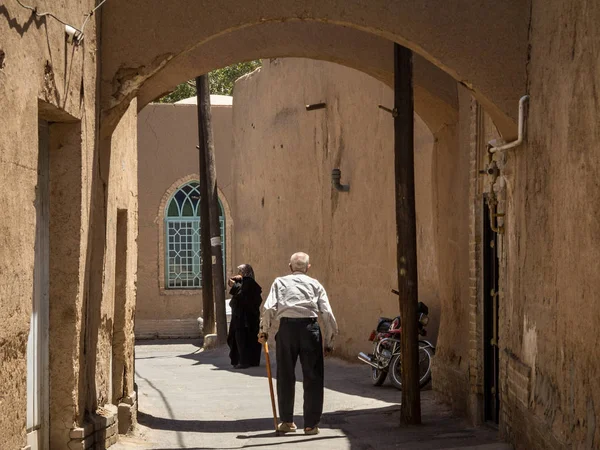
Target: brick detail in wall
(518,382)
(475,227)
(518,424)
(446,379)
(99,432)
(167,329)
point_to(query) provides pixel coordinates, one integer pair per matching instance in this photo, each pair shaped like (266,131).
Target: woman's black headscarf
(246,270)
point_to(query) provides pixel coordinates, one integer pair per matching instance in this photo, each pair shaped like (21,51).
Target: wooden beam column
(406,233)
(208,305)
(212,199)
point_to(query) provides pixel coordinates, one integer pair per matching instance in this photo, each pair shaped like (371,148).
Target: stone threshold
(101,430)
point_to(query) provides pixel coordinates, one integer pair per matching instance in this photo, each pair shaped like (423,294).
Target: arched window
(182,226)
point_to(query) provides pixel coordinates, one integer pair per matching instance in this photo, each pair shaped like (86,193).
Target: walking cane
(268,361)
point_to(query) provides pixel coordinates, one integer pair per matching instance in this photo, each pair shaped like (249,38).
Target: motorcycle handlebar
(422,307)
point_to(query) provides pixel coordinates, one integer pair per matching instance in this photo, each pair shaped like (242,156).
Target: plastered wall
(451,192)
(283,200)
(122,206)
(168,158)
(43,77)
(549,311)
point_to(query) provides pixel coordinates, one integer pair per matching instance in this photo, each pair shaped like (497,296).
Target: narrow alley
(438,160)
(193,399)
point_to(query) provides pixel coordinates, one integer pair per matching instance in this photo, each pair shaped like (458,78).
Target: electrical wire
(49,14)
(90,14)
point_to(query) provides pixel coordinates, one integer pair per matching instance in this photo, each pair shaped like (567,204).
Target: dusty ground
(195,400)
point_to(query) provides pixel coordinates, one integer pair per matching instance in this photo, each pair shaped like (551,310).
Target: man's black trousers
(300,338)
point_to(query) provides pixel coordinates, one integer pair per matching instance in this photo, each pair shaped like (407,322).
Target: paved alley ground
(193,399)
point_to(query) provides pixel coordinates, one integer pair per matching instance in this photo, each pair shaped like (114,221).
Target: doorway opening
(491,356)
(119,337)
(37,344)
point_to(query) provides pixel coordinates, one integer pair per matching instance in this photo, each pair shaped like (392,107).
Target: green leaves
(221,81)
(184,90)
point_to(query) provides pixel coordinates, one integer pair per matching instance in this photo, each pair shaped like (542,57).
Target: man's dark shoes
(241,366)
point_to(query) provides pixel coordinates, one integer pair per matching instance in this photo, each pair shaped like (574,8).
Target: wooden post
(208,305)
(216,245)
(406,232)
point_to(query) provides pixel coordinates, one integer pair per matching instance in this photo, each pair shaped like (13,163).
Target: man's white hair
(299,262)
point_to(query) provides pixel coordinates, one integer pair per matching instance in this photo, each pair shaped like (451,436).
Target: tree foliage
(221,81)
(184,90)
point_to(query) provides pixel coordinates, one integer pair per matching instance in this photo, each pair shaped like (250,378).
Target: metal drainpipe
(493,210)
(519,141)
(336,176)
(493,148)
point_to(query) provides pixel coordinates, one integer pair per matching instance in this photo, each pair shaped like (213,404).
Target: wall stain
(128,80)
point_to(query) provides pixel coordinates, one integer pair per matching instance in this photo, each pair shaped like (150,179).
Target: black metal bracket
(336,176)
(315,106)
(393,112)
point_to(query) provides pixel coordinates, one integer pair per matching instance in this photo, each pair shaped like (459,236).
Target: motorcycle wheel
(424,369)
(378,376)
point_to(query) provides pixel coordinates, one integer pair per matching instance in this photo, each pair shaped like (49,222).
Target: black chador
(245,320)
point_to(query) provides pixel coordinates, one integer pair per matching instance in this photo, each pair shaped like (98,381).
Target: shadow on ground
(363,428)
(368,429)
(291,444)
(153,342)
(354,381)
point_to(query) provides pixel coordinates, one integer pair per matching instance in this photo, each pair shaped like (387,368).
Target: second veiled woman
(245,319)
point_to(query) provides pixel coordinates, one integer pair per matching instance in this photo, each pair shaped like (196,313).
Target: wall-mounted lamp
(73,35)
(336,176)
(315,106)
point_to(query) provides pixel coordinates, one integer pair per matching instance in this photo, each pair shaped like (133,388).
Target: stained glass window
(182,226)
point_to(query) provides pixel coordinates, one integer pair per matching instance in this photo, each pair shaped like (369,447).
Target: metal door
(491,359)
(37,344)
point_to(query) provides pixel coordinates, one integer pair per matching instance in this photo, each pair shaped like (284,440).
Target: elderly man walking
(296,300)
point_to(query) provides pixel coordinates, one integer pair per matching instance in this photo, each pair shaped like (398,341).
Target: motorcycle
(386,358)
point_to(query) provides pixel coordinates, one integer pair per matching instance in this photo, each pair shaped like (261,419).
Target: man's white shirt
(299,296)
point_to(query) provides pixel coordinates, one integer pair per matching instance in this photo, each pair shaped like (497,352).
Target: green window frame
(183,256)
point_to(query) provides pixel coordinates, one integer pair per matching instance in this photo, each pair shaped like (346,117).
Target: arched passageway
(455,57)
(435,90)
(494,50)
(438,102)
(485,55)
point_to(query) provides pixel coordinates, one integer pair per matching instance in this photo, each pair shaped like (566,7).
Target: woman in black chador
(245,319)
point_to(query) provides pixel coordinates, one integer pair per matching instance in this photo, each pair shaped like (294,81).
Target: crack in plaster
(14,163)
(128,80)
(151,127)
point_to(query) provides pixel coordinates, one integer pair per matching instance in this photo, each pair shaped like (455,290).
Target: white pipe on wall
(519,141)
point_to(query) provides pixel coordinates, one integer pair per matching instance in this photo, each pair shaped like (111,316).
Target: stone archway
(488,58)
(452,50)
(435,90)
